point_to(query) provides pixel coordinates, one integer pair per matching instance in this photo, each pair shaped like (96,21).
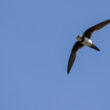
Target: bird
(85,40)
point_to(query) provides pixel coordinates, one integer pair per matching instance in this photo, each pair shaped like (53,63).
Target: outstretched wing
(88,33)
(75,48)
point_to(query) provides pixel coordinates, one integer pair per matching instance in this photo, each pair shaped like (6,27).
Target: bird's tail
(95,47)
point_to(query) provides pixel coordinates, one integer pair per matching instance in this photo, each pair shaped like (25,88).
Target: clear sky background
(36,38)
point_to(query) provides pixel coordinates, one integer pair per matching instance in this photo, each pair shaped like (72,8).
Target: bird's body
(85,40)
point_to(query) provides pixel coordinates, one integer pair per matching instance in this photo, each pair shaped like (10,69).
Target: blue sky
(36,37)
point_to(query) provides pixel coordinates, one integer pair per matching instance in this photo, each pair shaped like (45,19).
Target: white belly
(87,42)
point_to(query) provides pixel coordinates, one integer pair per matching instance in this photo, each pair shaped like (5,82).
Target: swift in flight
(85,40)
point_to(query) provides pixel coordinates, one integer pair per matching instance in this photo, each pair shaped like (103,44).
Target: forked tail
(94,47)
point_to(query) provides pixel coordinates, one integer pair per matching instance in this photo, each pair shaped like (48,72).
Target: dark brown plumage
(87,34)
(75,48)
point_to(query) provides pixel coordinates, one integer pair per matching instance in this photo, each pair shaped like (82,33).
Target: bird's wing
(75,48)
(88,33)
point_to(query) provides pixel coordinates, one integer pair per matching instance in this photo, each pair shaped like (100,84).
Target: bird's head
(79,37)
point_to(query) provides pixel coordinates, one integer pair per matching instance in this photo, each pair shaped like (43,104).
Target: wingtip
(68,72)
